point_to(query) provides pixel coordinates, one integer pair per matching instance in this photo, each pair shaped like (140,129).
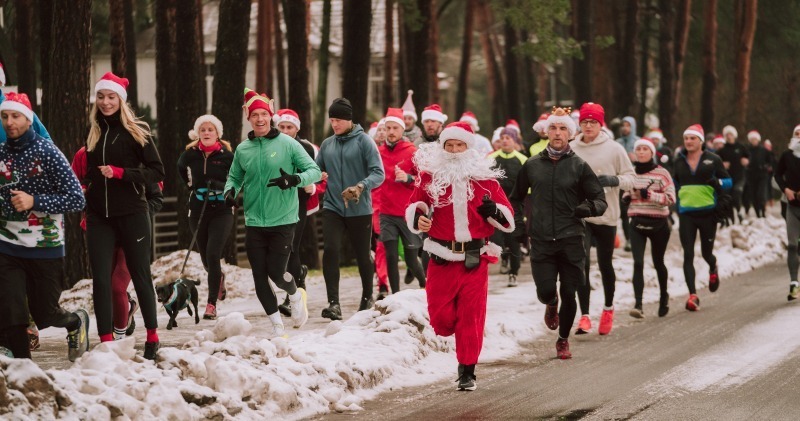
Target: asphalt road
(712,364)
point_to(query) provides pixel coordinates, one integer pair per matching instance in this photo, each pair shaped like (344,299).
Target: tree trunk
(264,48)
(707,115)
(512,72)
(130,55)
(402,54)
(116,33)
(321,106)
(388,57)
(69,68)
(298,12)
(666,95)
(46,10)
(432,55)
(582,67)
(417,43)
(24,47)
(744,50)
(530,101)
(681,41)
(644,64)
(466,55)
(626,95)
(484,23)
(279,63)
(230,67)
(357,15)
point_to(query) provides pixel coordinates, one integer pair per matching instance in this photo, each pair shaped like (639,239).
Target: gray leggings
(793,235)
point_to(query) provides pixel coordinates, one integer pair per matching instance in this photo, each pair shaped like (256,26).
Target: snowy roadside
(231,370)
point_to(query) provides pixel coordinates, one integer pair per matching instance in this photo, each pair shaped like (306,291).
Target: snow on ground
(232,368)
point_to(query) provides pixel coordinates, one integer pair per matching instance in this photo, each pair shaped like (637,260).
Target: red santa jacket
(396,194)
(459,221)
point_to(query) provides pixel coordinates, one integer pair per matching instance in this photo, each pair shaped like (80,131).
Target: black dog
(175,297)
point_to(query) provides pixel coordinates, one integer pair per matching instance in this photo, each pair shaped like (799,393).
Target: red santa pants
(457,304)
(380,254)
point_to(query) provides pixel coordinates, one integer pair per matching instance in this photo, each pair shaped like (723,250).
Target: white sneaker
(278,331)
(299,308)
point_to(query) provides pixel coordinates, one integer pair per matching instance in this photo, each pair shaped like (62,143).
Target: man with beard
(462,190)
(412,132)
(735,158)
(433,122)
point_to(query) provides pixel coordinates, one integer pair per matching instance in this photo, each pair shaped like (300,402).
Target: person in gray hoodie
(354,168)
(627,139)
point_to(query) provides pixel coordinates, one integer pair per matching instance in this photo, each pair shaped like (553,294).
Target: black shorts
(393,227)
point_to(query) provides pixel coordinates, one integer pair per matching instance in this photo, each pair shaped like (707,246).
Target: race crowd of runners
(448,200)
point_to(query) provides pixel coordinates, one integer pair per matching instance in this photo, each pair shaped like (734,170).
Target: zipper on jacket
(341,173)
(553,200)
(105,179)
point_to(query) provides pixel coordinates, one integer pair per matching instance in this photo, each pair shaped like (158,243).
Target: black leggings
(659,238)
(268,250)
(294,266)
(511,248)
(689,226)
(132,233)
(359,231)
(604,235)
(212,236)
(626,221)
(413,264)
(755,194)
(561,260)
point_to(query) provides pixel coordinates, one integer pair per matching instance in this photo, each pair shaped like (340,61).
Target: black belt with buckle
(461,247)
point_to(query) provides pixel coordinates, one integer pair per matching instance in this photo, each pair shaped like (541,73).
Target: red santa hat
(718,139)
(730,129)
(19,103)
(433,112)
(2,76)
(408,107)
(113,83)
(395,115)
(253,101)
(287,115)
(561,115)
(643,141)
(373,130)
(695,130)
(541,125)
(592,111)
(194,134)
(656,134)
(458,130)
(753,134)
(512,124)
(469,117)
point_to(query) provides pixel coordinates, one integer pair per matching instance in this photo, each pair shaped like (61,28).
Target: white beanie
(730,129)
(194,134)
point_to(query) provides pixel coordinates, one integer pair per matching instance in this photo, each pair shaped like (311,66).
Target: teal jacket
(350,159)
(255,162)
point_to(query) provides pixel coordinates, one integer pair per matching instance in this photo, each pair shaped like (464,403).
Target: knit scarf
(556,155)
(208,149)
(644,167)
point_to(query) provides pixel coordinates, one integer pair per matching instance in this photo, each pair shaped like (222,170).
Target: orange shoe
(606,322)
(693,303)
(562,349)
(584,325)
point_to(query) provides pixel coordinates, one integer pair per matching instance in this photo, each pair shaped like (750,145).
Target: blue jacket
(628,141)
(38,127)
(350,159)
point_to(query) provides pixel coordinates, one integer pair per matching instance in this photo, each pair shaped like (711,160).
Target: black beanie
(341,109)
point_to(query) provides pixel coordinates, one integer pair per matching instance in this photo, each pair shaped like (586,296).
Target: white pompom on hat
(194,134)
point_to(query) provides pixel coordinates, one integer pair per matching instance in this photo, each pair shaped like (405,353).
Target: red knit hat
(253,101)
(458,130)
(113,83)
(395,115)
(592,111)
(695,130)
(287,115)
(19,103)
(433,112)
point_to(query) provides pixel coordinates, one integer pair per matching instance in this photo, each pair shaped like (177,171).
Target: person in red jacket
(397,155)
(460,186)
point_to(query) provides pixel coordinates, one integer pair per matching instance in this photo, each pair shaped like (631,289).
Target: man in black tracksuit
(735,158)
(564,190)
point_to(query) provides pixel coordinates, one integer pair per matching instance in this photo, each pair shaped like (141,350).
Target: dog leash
(194,235)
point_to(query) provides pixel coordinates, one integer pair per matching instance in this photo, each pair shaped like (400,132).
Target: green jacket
(259,159)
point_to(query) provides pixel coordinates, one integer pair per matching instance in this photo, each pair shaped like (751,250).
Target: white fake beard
(448,168)
(794,145)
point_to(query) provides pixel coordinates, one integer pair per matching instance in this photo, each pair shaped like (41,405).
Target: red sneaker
(562,349)
(551,316)
(584,325)
(606,322)
(713,282)
(693,303)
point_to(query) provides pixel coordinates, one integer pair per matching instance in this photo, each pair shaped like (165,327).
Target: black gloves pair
(488,208)
(608,180)
(285,181)
(584,210)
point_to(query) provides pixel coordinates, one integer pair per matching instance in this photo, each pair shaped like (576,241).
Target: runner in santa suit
(461,188)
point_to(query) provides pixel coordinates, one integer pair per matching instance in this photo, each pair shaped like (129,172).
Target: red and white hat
(19,103)
(695,130)
(730,129)
(469,117)
(194,134)
(2,76)
(113,83)
(395,115)
(408,107)
(718,139)
(433,112)
(560,115)
(656,133)
(541,125)
(287,115)
(373,130)
(512,124)
(458,130)
(753,134)
(253,101)
(643,141)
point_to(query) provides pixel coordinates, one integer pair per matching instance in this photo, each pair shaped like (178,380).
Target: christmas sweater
(35,166)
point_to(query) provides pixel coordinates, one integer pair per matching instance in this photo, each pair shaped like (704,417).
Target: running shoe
(606,322)
(131,312)
(300,309)
(551,315)
(663,306)
(512,280)
(33,337)
(562,349)
(466,377)
(150,350)
(333,312)
(636,313)
(584,325)
(211,312)
(713,282)
(794,291)
(286,307)
(693,303)
(78,339)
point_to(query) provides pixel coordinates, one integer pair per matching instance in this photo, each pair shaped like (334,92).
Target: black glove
(608,180)
(644,193)
(715,183)
(488,208)
(724,208)
(584,210)
(285,181)
(230,198)
(626,200)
